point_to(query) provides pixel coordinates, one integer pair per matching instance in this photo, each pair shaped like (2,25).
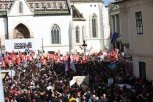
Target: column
(73,38)
(118,23)
(116,30)
(124,25)
(83,33)
(112,24)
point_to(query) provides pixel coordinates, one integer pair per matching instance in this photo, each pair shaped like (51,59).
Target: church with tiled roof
(62,24)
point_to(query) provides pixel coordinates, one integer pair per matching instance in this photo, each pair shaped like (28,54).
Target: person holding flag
(69,65)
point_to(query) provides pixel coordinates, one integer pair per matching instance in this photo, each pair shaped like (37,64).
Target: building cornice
(119,1)
(139,54)
(79,19)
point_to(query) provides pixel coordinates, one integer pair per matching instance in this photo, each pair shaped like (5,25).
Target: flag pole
(42,46)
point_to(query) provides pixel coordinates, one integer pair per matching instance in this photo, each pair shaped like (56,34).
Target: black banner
(22,45)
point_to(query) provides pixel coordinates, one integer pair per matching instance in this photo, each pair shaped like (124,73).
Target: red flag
(6,58)
(18,61)
(9,62)
(17,56)
(3,64)
(29,58)
(12,54)
(13,58)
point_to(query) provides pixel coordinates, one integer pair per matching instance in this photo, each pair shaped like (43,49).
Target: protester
(44,79)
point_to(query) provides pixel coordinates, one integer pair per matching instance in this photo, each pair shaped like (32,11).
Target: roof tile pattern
(37,4)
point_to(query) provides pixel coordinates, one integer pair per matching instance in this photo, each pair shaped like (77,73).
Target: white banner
(73,81)
(79,80)
(22,44)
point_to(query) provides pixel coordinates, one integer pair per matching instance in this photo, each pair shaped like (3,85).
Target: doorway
(21,31)
(142,70)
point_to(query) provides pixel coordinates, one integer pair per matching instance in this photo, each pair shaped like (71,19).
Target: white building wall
(14,11)
(2,29)
(87,11)
(106,28)
(14,21)
(40,27)
(80,24)
(44,25)
(139,45)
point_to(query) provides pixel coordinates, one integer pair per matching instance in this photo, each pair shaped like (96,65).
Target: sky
(107,1)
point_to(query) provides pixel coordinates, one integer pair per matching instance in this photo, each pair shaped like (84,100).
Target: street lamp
(84,45)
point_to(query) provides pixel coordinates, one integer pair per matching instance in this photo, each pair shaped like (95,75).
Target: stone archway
(21,31)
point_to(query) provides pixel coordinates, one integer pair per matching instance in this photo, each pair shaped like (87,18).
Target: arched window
(77,32)
(55,34)
(94,26)
(20,7)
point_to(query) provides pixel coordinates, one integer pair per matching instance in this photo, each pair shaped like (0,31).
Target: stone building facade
(136,26)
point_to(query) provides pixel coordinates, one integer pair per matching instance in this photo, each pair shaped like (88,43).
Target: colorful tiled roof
(49,6)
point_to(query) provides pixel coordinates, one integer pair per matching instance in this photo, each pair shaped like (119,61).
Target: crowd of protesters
(38,82)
